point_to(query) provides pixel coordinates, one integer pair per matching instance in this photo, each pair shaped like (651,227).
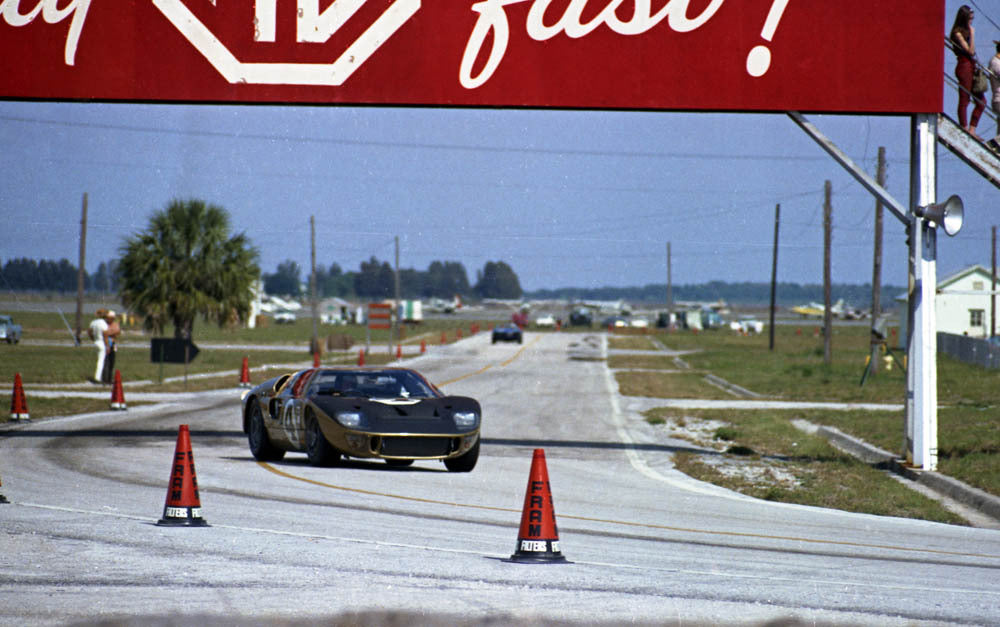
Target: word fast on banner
(725,55)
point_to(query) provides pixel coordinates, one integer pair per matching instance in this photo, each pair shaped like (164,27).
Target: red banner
(721,55)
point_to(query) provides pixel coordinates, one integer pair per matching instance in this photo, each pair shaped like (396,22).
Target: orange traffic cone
(18,403)
(245,373)
(423,346)
(117,393)
(399,351)
(361,357)
(183,506)
(538,538)
(444,338)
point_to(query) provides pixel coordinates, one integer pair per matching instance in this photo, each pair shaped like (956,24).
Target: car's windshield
(372,384)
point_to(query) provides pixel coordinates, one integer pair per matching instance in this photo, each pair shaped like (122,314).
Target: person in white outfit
(96,332)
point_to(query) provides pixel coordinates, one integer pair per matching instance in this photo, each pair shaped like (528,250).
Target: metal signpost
(713,55)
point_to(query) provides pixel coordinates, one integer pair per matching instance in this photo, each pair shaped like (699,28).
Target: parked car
(545,320)
(581,317)
(284,317)
(9,330)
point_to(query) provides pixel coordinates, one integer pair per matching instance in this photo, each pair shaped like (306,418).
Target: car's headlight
(352,419)
(465,418)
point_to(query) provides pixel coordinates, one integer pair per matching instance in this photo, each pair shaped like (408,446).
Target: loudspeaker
(948,214)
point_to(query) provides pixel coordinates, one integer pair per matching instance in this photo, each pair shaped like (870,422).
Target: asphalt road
(288,541)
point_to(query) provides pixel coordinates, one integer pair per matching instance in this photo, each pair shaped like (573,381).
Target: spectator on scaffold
(994,68)
(963,39)
(96,332)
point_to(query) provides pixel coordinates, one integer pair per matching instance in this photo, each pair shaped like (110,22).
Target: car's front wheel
(465,462)
(318,450)
(260,445)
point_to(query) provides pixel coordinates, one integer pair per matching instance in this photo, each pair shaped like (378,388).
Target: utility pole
(81,271)
(876,341)
(670,287)
(993,288)
(774,273)
(314,348)
(827,237)
(396,319)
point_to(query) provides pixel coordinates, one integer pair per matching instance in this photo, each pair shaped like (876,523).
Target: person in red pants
(963,39)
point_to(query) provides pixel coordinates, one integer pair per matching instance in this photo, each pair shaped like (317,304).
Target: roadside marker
(245,373)
(183,505)
(423,346)
(361,357)
(399,351)
(538,537)
(117,393)
(18,402)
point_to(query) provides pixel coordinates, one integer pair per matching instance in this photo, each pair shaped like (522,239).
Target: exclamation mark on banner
(759,59)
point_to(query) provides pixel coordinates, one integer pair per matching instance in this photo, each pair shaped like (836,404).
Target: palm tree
(185,265)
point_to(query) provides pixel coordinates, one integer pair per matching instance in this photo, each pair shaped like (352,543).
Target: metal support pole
(774,277)
(921,344)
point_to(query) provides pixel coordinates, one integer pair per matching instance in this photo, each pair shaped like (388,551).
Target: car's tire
(318,450)
(465,462)
(260,445)
(399,463)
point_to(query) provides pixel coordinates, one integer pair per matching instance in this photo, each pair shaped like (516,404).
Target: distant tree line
(45,275)
(376,280)
(745,293)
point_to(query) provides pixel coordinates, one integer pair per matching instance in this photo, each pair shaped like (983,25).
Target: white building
(962,304)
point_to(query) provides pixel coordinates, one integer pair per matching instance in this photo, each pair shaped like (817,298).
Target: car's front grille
(416,447)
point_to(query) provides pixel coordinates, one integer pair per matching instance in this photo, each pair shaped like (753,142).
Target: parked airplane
(838,310)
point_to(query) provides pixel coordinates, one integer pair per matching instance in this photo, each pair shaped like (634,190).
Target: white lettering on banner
(493,18)
(52,14)
(176,512)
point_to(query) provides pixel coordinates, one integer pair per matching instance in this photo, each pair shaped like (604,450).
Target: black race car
(507,333)
(393,414)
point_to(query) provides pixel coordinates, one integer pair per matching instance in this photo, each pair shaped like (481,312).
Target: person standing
(994,68)
(96,332)
(963,39)
(112,333)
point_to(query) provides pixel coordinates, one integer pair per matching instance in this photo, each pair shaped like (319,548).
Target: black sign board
(172,350)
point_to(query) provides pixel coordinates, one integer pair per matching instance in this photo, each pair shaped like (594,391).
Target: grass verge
(761,454)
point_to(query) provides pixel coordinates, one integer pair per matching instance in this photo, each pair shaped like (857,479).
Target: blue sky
(567,198)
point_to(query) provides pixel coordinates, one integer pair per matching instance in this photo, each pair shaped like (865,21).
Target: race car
(330,414)
(507,333)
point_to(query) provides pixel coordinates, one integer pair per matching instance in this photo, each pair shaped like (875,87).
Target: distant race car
(393,414)
(507,333)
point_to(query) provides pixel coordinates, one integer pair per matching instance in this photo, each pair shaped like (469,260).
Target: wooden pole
(876,342)
(81,271)
(827,238)
(774,274)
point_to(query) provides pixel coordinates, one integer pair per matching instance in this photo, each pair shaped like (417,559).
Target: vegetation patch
(632,342)
(770,459)
(667,385)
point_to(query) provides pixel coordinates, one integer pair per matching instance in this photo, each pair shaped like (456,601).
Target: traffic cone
(183,507)
(423,346)
(361,357)
(245,373)
(18,403)
(399,351)
(538,538)
(117,393)
(444,338)
(458,334)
